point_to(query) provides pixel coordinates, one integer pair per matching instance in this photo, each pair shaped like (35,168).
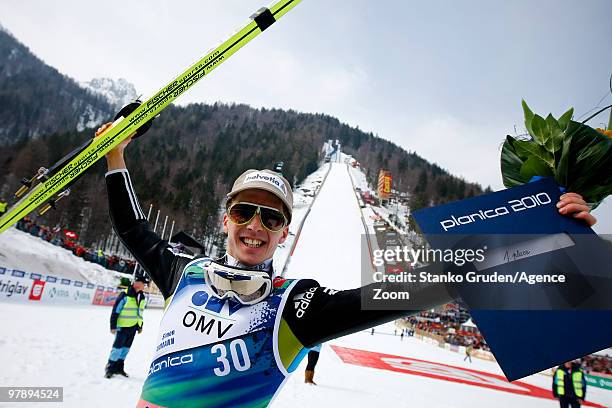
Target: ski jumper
(220,353)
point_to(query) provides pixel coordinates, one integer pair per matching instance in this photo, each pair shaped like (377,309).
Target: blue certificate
(530,319)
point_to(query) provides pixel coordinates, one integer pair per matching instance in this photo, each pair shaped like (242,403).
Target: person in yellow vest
(126,320)
(569,385)
(3,206)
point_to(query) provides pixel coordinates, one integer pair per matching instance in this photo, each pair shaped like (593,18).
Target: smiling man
(269,194)
(232,330)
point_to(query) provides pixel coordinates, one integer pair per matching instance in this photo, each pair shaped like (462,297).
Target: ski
(49,189)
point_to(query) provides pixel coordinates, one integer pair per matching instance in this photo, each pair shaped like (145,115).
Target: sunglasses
(242,213)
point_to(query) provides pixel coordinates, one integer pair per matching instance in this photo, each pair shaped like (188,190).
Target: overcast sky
(442,78)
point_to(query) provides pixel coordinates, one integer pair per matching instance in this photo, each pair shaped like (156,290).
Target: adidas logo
(302,301)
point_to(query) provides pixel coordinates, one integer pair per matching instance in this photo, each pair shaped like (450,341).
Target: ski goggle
(242,213)
(246,286)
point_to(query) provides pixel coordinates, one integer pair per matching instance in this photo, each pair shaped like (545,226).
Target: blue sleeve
(117,307)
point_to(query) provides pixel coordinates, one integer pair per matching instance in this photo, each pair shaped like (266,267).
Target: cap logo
(266,178)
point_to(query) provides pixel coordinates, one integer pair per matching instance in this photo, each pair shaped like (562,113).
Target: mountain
(36,99)
(118,92)
(186,163)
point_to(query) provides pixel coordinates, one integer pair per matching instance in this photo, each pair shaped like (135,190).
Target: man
(313,359)
(125,321)
(468,352)
(232,332)
(569,385)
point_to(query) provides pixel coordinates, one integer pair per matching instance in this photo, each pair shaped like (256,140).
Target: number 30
(234,345)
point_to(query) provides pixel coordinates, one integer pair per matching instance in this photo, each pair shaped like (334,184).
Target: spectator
(313,358)
(468,352)
(126,320)
(569,385)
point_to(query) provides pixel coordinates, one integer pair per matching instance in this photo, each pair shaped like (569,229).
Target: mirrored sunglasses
(242,213)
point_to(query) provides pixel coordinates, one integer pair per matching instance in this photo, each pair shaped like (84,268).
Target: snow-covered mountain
(37,99)
(118,92)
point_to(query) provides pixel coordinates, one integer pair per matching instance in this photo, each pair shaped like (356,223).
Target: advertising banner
(20,286)
(384,184)
(14,288)
(66,294)
(105,296)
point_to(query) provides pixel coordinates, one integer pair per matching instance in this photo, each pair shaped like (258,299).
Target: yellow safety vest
(576,382)
(131,314)
(2,206)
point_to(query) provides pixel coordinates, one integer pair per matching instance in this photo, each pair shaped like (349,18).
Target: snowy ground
(329,247)
(22,251)
(68,346)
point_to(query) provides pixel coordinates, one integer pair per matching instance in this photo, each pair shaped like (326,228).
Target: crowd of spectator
(448,325)
(597,363)
(58,236)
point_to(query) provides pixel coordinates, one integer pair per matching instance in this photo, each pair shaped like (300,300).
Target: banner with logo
(14,287)
(104,296)
(66,294)
(21,286)
(384,184)
(599,380)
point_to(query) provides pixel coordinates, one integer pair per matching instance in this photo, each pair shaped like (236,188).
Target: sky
(442,78)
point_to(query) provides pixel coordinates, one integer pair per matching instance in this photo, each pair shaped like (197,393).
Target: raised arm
(161,261)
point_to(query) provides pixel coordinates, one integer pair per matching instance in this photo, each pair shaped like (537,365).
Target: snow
(118,92)
(68,346)
(22,251)
(303,197)
(335,213)
(89,118)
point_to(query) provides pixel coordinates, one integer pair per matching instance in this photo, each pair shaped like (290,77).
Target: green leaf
(511,165)
(555,141)
(535,167)
(585,163)
(562,167)
(538,126)
(528,117)
(526,149)
(565,119)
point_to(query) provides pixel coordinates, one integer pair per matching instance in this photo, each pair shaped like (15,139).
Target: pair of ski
(50,185)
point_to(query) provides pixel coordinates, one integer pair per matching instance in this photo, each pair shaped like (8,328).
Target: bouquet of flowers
(576,155)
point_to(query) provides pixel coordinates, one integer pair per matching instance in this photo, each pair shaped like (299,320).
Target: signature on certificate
(511,256)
